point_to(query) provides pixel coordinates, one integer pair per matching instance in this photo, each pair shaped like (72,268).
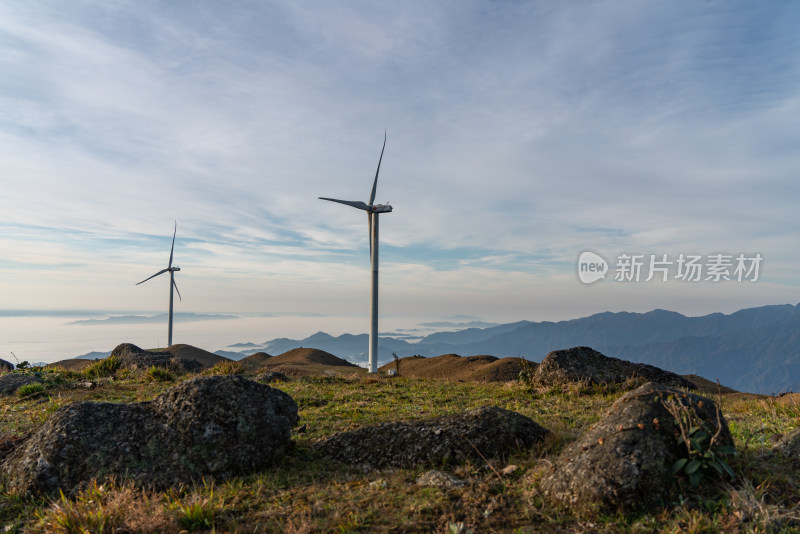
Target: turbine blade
(375,183)
(173,245)
(355,203)
(369,221)
(176,289)
(162,271)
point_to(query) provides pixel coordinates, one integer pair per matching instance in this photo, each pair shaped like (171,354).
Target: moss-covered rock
(624,461)
(584,364)
(11,382)
(216,426)
(493,431)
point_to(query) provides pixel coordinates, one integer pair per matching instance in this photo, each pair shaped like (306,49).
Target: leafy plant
(457,528)
(30,389)
(159,374)
(704,455)
(198,513)
(227,368)
(105,367)
(526,370)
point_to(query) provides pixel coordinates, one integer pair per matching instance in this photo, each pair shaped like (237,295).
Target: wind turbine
(373,210)
(171,270)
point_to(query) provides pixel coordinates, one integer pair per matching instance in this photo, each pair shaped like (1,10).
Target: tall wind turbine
(373,210)
(171,270)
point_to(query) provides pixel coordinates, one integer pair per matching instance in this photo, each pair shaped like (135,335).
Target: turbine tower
(171,270)
(373,210)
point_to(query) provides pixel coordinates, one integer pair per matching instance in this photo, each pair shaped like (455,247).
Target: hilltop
(753,349)
(309,492)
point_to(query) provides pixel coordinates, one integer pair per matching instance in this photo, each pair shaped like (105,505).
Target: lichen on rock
(584,364)
(488,431)
(624,461)
(11,382)
(216,426)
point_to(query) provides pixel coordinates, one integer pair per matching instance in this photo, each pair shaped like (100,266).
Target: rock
(623,462)
(6,366)
(495,432)
(11,382)
(789,445)
(216,426)
(584,364)
(272,376)
(509,469)
(133,357)
(440,479)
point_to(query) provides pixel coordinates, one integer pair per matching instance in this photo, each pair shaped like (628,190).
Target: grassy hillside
(310,494)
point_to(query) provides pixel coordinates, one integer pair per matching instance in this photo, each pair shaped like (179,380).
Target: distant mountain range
(755,350)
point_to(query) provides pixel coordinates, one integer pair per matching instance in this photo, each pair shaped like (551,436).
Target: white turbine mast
(373,210)
(171,270)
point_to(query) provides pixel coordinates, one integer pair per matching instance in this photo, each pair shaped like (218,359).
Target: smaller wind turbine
(373,210)
(171,270)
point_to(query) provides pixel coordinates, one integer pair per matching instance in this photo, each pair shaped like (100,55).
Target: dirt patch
(482,368)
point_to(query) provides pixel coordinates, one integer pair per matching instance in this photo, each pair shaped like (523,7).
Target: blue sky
(519,135)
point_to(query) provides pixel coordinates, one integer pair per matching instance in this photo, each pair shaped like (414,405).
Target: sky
(519,134)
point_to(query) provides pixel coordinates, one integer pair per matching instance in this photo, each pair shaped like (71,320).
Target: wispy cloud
(519,134)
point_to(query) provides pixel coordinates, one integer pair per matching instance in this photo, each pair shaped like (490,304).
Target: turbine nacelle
(380,208)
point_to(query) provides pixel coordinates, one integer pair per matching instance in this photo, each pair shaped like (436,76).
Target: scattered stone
(11,382)
(623,462)
(440,479)
(493,431)
(6,366)
(789,445)
(584,364)
(133,357)
(216,426)
(85,385)
(509,469)
(272,376)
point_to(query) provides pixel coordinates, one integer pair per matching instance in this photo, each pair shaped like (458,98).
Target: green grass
(305,493)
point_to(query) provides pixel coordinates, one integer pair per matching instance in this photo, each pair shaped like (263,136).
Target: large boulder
(493,431)
(11,382)
(215,426)
(624,462)
(6,366)
(584,364)
(133,357)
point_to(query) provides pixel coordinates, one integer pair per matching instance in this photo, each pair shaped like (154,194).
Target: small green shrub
(105,367)
(159,374)
(30,389)
(196,514)
(227,368)
(704,455)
